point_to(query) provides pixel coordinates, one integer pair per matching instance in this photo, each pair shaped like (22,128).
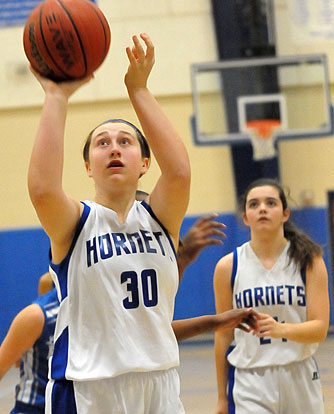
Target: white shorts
(293,388)
(156,392)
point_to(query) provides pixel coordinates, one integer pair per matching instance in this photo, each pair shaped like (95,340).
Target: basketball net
(262,137)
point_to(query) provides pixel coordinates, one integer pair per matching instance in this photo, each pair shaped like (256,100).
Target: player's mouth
(263,219)
(115,164)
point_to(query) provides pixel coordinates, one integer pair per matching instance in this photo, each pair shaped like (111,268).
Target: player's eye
(125,141)
(252,204)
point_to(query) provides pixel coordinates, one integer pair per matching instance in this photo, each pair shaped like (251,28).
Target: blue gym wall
(24,258)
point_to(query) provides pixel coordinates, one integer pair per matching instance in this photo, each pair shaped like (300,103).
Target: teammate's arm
(233,318)
(317,305)
(24,331)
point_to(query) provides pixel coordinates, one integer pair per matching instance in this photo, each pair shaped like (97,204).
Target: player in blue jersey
(281,274)
(30,341)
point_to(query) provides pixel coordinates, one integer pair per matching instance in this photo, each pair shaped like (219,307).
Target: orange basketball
(66,39)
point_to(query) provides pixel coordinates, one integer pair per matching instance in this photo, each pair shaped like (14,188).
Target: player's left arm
(317,306)
(169,198)
(24,331)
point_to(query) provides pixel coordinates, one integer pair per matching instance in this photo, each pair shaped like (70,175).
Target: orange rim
(264,127)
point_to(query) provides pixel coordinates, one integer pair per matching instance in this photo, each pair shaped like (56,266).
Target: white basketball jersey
(117,287)
(279,292)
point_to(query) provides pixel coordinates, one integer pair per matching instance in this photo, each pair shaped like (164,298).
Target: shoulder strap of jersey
(235,267)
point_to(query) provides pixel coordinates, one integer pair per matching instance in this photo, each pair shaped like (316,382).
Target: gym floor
(198,377)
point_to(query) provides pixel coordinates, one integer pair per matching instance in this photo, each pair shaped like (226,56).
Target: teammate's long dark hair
(302,248)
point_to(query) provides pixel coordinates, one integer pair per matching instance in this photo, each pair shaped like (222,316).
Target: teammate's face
(115,154)
(264,209)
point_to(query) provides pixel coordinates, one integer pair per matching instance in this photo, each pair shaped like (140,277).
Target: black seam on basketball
(79,38)
(104,30)
(46,46)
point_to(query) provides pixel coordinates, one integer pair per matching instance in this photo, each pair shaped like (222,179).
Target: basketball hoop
(262,134)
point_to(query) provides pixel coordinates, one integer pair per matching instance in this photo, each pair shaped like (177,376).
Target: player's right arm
(24,331)
(57,212)
(233,318)
(223,338)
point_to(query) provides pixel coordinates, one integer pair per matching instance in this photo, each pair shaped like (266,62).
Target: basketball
(66,39)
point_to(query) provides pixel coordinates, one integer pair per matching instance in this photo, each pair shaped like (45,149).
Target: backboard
(229,95)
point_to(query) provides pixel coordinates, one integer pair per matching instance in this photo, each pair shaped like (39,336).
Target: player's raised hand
(141,62)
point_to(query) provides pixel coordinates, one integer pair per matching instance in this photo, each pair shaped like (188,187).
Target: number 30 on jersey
(148,285)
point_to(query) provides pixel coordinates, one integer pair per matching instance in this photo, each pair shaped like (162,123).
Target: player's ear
(145,166)
(88,169)
(245,219)
(286,215)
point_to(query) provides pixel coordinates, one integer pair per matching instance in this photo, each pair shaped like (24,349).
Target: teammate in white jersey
(281,274)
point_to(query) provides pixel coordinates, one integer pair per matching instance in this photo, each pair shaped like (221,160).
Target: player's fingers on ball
(37,75)
(32,70)
(86,79)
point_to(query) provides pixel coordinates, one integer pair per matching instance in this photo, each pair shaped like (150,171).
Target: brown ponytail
(302,248)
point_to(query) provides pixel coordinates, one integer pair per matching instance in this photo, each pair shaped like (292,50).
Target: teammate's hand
(199,236)
(244,319)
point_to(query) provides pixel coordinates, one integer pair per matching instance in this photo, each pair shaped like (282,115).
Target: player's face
(264,209)
(115,154)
